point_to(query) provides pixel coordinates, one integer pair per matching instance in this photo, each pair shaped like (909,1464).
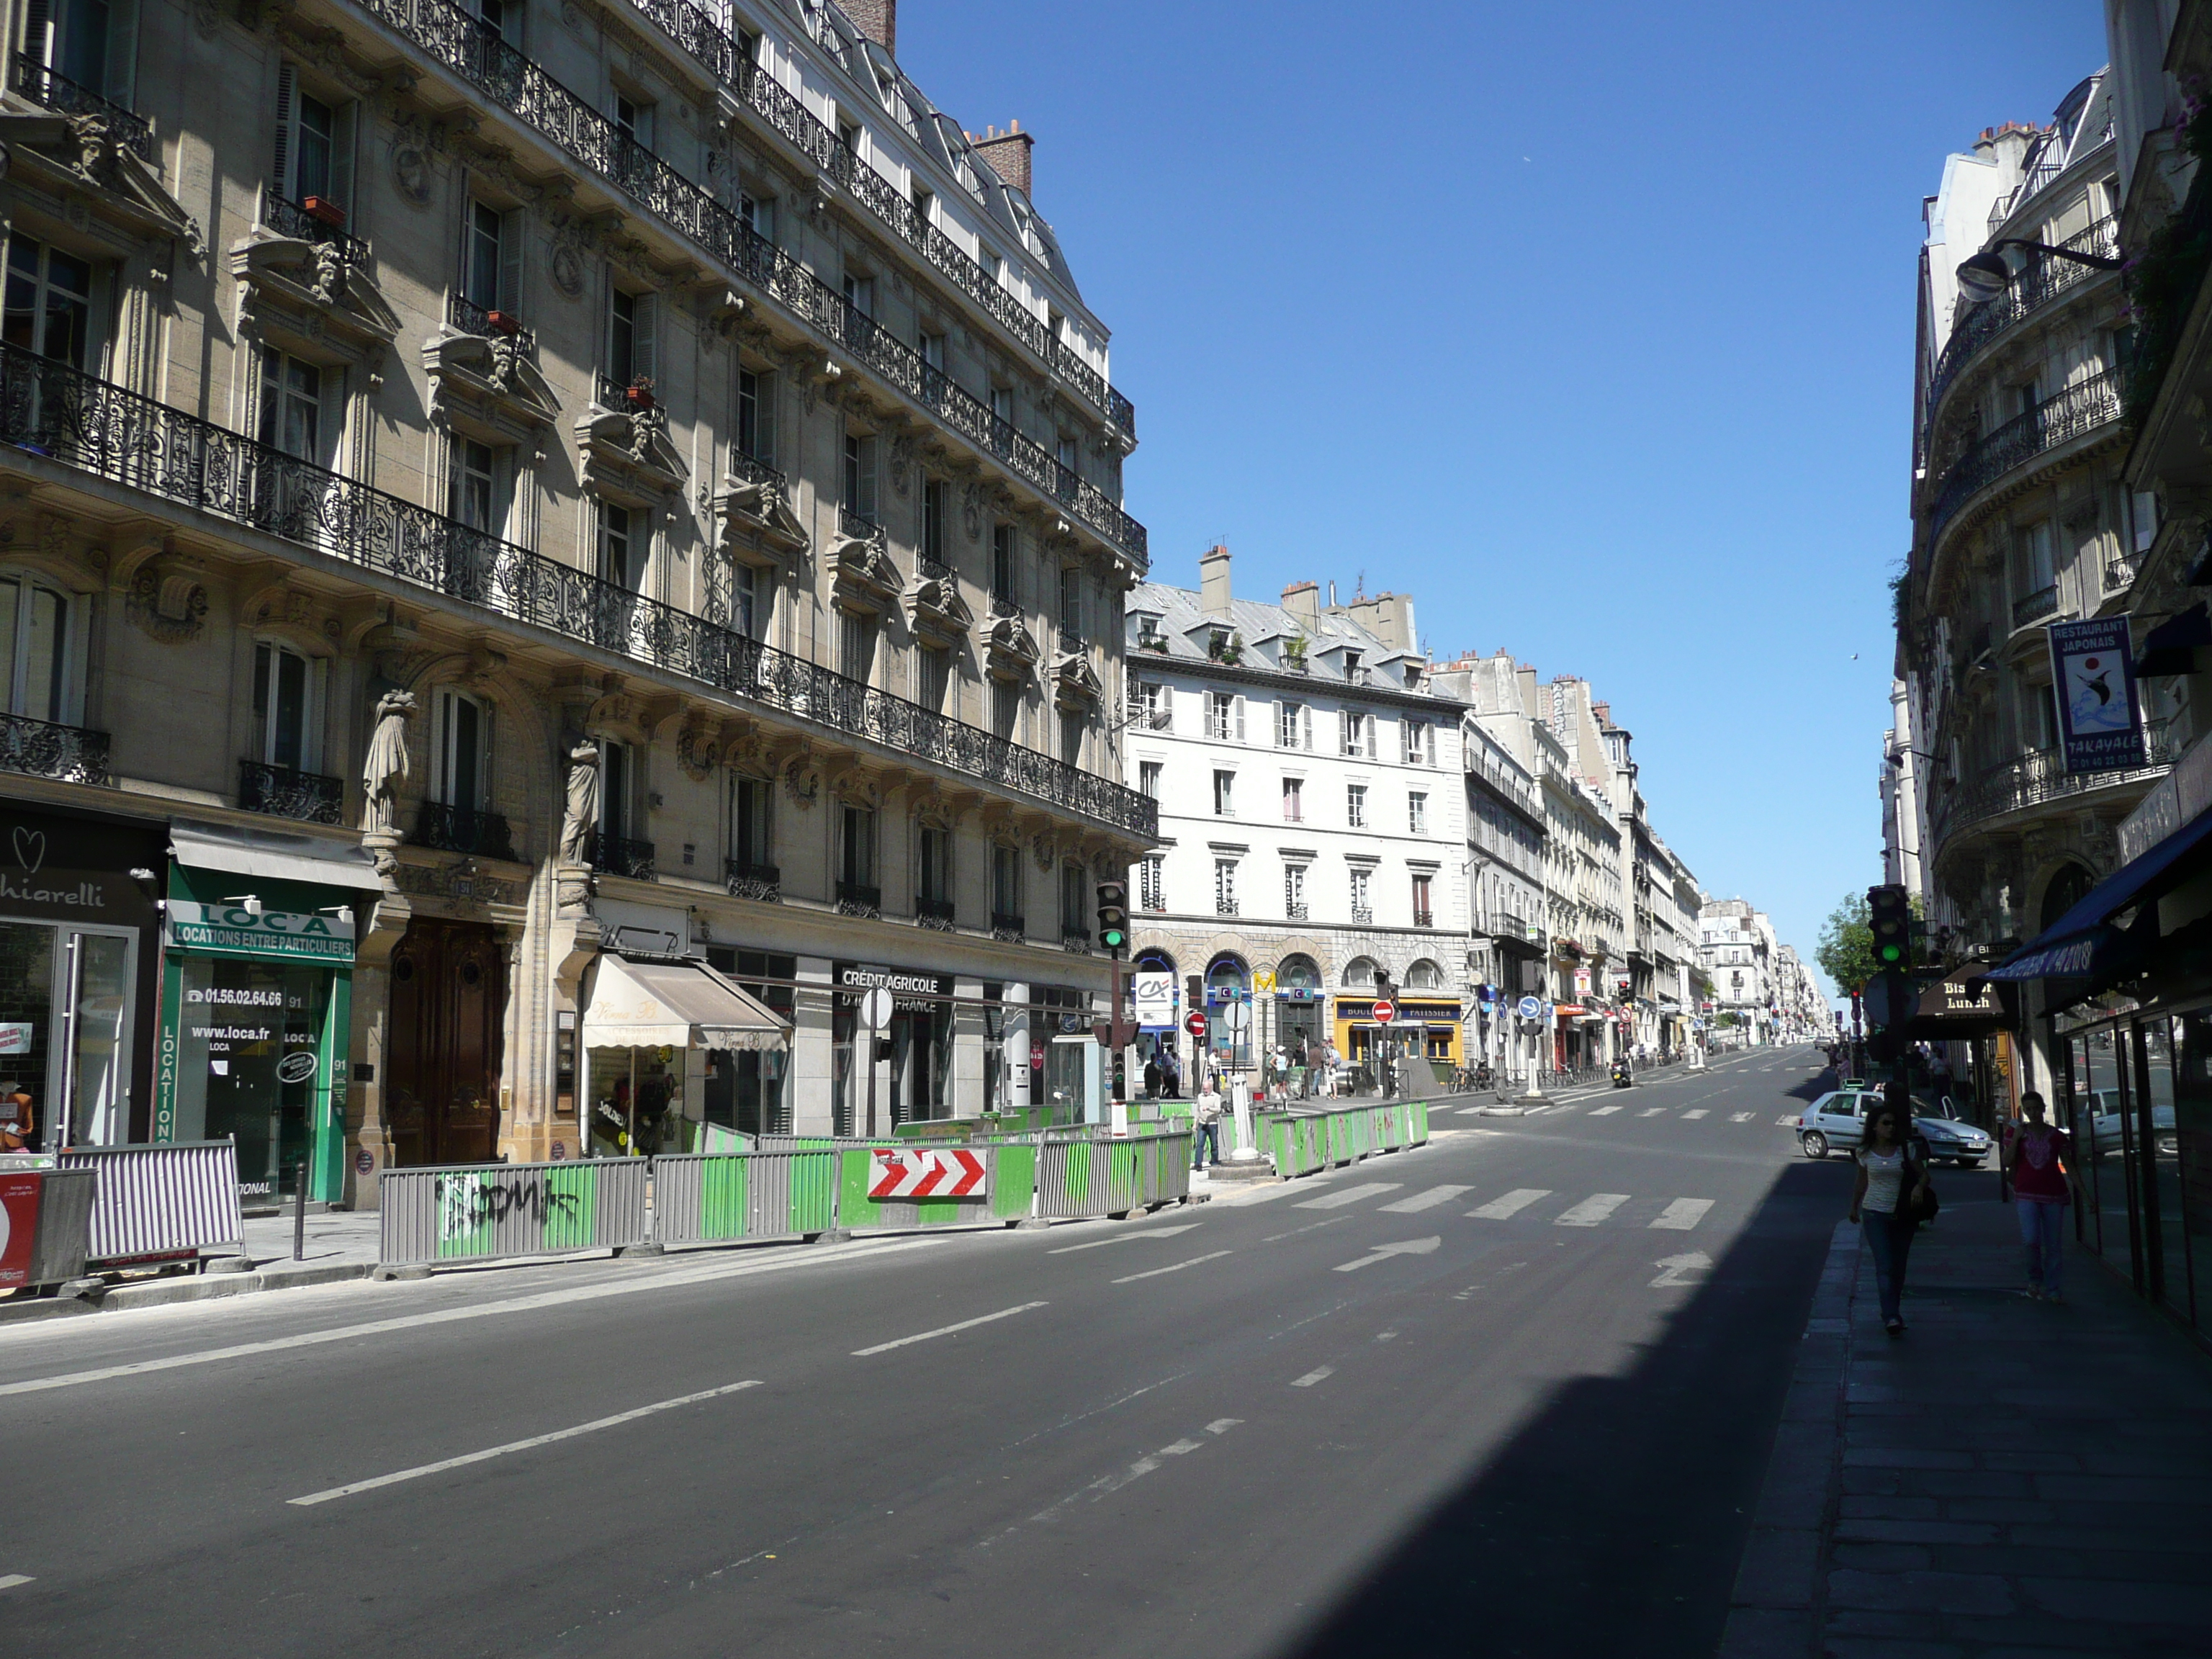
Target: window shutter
(642,354)
(288,96)
(1167,708)
(121,70)
(344,123)
(510,261)
(1344,731)
(1371,724)
(1305,717)
(37,29)
(1239,704)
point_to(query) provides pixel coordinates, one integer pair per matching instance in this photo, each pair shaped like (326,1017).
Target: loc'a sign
(237,930)
(2099,717)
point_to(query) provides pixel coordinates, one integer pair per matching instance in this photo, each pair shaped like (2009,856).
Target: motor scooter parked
(1622,1077)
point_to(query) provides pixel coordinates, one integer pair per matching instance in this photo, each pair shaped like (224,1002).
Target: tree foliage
(1846,951)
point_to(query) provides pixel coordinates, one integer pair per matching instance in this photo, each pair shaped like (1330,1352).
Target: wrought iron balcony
(1297,910)
(1004,604)
(1077,939)
(285,792)
(53,90)
(1226,907)
(2041,281)
(2037,777)
(463,830)
(465,316)
(289,218)
(1362,915)
(860,526)
(934,570)
(52,409)
(1010,927)
(1425,919)
(2119,573)
(761,882)
(1503,924)
(2042,603)
(477,54)
(611,393)
(751,470)
(856,898)
(935,913)
(617,855)
(44,750)
(2081,408)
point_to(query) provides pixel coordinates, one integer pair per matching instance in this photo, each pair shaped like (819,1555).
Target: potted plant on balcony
(639,396)
(1294,654)
(506,322)
(325,211)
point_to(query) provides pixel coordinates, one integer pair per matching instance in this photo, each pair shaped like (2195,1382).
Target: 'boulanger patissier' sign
(2099,721)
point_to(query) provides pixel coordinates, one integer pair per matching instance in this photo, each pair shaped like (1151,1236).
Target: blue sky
(1591,326)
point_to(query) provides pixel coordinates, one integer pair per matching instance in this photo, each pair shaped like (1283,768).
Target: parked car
(2106,1108)
(1836,1122)
(1947,1136)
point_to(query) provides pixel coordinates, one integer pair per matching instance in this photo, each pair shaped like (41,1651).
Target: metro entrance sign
(1385,1012)
(1195,1024)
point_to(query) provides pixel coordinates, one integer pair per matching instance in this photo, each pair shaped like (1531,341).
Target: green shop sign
(238,930)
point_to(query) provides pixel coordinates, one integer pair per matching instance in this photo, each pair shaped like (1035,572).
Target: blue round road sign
(1530,1008)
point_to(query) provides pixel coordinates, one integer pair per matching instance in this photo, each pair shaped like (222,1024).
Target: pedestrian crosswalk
(1527,1203)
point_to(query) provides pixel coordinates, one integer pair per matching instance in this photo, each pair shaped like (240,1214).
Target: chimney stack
(1302,601)
(1213,581)
(1007,152)
(877,20)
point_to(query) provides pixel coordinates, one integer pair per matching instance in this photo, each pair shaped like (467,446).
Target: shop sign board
(913,990)
(2099,717)
(15,1036)
(1154,994)
(237,930)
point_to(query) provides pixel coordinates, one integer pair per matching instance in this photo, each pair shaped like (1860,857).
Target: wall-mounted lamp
(249,903)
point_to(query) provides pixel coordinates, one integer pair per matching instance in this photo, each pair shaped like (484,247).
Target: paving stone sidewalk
(2009,1478)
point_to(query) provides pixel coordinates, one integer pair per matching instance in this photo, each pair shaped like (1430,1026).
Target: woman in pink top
(2042,1182)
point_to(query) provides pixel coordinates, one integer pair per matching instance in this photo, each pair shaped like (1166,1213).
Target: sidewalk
(2010,1478)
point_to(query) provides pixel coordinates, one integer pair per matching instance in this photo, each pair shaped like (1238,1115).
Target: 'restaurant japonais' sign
(2099,721)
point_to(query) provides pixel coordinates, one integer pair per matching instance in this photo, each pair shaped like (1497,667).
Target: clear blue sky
(1590,326)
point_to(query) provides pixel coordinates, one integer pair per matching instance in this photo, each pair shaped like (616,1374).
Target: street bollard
(299,1211)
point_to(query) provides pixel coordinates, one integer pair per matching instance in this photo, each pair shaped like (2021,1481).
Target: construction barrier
(1301,1141)
(1096,1177)
(706,1198)
(164,1201)
(1008,1179)
(482,1212)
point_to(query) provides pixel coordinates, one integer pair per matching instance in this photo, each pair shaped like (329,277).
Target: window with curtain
(287,707)
(35,653)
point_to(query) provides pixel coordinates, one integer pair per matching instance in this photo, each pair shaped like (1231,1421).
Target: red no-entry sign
(1195,1023)
(1385,1012)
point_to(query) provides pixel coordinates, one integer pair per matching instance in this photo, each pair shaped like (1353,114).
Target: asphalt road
(1508,1394)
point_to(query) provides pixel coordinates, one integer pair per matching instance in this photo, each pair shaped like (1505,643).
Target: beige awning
(669,1005)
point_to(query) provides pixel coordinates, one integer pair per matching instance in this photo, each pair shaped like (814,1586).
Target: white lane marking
(947,1330)
(1692,1116)
(1384,1252)
(1314,1375)
(1216,1255)
(1500,1209)
(1683,1214)
(1603,1111)
(1349,1194)
(1786,1121)
(1222,1425)
(1427,1200)
(1591,1211)
(14,1578)
(1386,1336)
(443,1464)
(449,1316)
(1651,1111)
(1676,1269)
(1123,1238)
(1307,1228)
(1136,1471)
(1739,1117)
(1268,1195)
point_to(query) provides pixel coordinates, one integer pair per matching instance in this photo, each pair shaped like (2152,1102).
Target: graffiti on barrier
(466,1202)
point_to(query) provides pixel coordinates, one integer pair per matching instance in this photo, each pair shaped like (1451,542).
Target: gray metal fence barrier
(482,1212)
(166,1201)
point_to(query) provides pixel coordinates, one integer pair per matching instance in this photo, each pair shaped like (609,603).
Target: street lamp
(1986,275)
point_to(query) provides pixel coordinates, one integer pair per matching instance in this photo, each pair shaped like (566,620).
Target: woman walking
(1885,1203)
(2041,1165)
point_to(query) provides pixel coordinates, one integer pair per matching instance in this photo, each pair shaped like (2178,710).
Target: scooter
(1622,1077)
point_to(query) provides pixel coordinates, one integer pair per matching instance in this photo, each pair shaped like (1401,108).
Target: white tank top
(1885,1173)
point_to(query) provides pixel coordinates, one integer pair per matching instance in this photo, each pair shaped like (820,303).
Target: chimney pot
(1213,581)
(1009,154)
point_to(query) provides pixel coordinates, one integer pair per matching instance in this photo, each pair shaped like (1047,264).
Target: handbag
(1926,1206)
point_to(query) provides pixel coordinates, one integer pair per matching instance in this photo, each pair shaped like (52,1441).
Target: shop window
(480,485)
(37,665)
(288,707)
(243,1026)
(36,961)
(463,768)
(49,302)
(757,414)
(314,142)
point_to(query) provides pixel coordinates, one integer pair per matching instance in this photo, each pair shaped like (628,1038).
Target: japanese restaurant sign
(2093,673)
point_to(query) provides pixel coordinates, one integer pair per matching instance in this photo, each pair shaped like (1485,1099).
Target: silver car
(1836,1121)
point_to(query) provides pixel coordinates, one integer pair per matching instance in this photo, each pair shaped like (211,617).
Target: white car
(2105,1110)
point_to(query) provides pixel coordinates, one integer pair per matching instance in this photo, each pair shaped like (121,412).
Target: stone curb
(1776,1609)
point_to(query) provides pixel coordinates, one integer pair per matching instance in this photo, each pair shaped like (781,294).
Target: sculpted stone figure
(386,768)
(583,811)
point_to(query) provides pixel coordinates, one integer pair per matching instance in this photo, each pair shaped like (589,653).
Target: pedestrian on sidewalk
(1152,1078)
(1892,1186)
(2040,1161)
(1205,1125)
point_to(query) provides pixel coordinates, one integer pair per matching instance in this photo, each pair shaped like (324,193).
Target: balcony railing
(56,92)
(288,218)
(751,470)
(1009,926)
(860,526)
(43,749)
(2036,777)
(463,830)
(856,898)
(936,913)
(1226,907)
(761,882)
(1425,919)
(1002,605)
(52,410)
(611,393)
(1362,915)
(1503,924)
(617,855)
(2042,603)
(465,316)
(477,54)
(1297,910)
(2081,408)
(285,792)
(935,570)
(1077,939)
(2042,280)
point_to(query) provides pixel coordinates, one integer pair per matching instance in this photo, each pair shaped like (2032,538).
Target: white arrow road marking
(946,1330)
(1739,1117)
(1384,1252)
(12,1579)
(1123,1238)
(1591,1211)
(1603,1111)
(1136,1471)
(1313,1377)
(443,1464)
(1349,1194)
(1678,1267)
(1214,1255)
(1692,1116)
(1427,1200)
(1501,1209)
(1684,1213)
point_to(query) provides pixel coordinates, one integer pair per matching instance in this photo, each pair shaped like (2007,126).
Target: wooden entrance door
(448,1000)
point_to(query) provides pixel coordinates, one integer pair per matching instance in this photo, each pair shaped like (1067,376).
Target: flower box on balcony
(506,322)
(638,397)
(325,211)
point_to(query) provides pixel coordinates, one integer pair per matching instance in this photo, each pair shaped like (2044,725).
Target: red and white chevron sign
(927,1174)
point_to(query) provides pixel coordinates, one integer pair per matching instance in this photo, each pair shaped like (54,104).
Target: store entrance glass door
(65,1028)
(250,1045)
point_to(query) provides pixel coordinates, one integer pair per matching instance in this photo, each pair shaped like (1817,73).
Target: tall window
(1002,404)
(1294,800)
(630,337)
(1294,891)
(313,144)
(752,837)
(1072,900)
(1417,813)
(758,212)
(1002,562)
(1148,778)
(1070,739)
(464,750)
(1294,726)
(622,546)
(1419,743)
(1355,806)
(861,475)
(1071,601)
(1225,795)
(1152,706)
(1423,916)
(491,259)
(502,17)
(856,852)
(1151,883)
(49,303)
(1362,882)
(752,593)
(1006,709)
(93,42)
(934,492)
(1225,717)
(932,675)
(291,405)
(1005,882)
(1064,452)
(616,781)
(932,351)
(480,486)
(1225,887)
(861,294)
(757,414)
(633,120)
(856,646)
(1358,733)
(34,650)
(287,707)
(933,866)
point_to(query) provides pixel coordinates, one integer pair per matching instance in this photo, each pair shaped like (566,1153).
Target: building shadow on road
(1612,1523)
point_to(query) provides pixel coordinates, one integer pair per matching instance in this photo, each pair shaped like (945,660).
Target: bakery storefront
(655,1029)
(256,987)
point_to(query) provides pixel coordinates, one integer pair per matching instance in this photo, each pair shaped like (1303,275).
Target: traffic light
(1889,914)
(1113,916)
